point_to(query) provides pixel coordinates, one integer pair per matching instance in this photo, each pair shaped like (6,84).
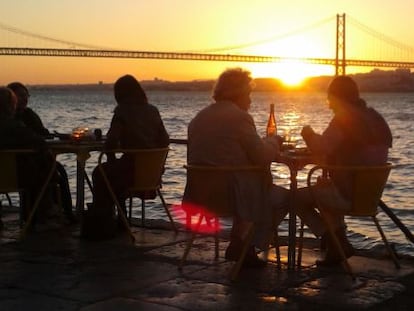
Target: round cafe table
(295,160)
(81,149)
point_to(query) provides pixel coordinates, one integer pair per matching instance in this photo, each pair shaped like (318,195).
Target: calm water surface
(62,110)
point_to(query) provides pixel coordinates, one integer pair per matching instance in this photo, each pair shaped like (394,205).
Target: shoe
(234,250)
(251,260)
(333,256)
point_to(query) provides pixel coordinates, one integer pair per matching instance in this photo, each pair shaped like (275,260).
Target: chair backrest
(148,166)
(211,188)
(8,169)
(8,172)
(368,185)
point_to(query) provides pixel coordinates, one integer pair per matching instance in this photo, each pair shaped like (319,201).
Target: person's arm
(113,137)
(260,151)
(325,143)
(163,139)
(33,121)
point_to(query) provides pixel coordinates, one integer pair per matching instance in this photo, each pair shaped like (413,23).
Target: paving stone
(341,293)
(198,295)
(19,300)
(126,304)
(59,271)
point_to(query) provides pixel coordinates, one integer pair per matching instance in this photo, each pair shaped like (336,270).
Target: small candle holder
(98,134)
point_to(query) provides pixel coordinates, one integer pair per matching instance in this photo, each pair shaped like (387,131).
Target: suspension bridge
(402,54)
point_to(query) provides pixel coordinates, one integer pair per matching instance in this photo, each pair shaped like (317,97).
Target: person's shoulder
(30,111)
(151,108)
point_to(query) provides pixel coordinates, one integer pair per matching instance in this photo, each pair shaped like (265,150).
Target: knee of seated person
(278,195)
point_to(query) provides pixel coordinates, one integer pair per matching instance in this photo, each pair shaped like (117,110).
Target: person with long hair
(135,124)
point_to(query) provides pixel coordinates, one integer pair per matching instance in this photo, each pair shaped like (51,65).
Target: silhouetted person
(224,134)
(32,169)
(136,124)
(356,135)
(32,120)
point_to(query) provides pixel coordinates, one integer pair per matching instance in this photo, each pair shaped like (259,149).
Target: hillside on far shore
(400,80)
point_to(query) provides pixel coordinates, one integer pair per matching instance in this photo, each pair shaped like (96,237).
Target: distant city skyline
(181,25)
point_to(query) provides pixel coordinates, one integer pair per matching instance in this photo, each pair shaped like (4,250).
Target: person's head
(343,92)
(234,85)
(127,89)
(8,102)
(22,94)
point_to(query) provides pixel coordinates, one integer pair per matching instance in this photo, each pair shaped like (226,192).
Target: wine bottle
(271,129)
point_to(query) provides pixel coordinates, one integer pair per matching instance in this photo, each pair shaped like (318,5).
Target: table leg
(292,221)
(80,182)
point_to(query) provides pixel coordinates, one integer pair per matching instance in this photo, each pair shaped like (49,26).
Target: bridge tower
(340,61)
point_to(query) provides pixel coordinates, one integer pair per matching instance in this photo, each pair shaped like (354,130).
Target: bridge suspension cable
(47,38)
(264,41)
(93,51)
(379,35)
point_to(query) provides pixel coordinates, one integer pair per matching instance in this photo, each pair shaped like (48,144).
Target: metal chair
(368,183)
(9,182)
(209,194)
(8,176)
(148,170)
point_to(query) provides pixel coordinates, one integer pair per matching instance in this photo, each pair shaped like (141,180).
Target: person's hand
(280,140)
(274,140)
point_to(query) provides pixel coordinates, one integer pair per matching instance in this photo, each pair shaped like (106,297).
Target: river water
(62,110)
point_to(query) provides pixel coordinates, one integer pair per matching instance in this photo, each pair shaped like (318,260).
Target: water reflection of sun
(289,125)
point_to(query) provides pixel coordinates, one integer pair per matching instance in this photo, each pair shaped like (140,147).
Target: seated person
(30,118)
(136,124)
(356,135)
(224,134)
(32,169)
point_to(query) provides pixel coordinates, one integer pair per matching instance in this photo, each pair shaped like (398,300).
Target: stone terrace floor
(59,271)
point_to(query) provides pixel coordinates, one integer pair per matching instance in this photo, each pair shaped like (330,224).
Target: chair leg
(300,245)
(142,213)
(164,204)
(188,220)
(276,244)
(338,245)
(190,242)
(339,248)
(234,272)
(9,200)
(130,209)
(216,238)
(22,212)
(37,203)
(59,197)
(120,209)
(387,245)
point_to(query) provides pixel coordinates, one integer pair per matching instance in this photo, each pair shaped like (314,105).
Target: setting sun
(289,73)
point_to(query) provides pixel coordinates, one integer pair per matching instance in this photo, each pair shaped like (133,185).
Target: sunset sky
(196,26)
